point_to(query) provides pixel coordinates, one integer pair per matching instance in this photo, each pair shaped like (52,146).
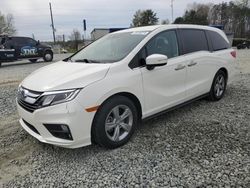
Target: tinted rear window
(20,41)
(218,42)
(194,40)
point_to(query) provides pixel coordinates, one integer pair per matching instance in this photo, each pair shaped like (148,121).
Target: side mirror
(156,60)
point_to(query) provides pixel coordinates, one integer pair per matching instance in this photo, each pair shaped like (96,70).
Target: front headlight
(56,97)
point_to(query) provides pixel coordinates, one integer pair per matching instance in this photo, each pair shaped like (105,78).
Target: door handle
(192,63)
(180,67)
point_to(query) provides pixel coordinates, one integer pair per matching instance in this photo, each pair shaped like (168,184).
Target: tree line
(7,24)
(234,16)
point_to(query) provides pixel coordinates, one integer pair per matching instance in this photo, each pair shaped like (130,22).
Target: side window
(31,42)
(18,41)
(164,43)
(9,43)
(194,40)
(218,42)
(2,40)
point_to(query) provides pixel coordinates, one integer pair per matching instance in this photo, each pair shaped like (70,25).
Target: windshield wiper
(68,60)
(86,61)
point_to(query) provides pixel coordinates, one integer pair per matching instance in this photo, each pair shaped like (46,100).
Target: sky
(33,16)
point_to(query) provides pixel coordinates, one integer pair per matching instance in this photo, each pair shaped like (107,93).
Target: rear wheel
(33,60)
(48,56)
(219,86)
(115,122)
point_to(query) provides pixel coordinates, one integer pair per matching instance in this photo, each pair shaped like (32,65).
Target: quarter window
(218,42)
(19,41)
(194,40)
(31,42)
(164,43)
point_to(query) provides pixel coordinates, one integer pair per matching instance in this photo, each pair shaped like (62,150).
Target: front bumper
(71,113)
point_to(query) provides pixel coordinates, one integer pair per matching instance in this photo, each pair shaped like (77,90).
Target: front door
(164,86)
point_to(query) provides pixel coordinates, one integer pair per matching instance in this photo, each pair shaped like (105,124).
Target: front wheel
(48,56)
(115,122)
(218,87)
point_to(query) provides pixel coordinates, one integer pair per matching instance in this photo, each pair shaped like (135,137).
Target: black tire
(101,135)
(48,56)
(33,60)
(218,88)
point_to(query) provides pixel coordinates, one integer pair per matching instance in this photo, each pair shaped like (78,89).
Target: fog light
(59,130)
(65,128)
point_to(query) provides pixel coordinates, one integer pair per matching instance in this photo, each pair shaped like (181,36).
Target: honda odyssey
(99,94)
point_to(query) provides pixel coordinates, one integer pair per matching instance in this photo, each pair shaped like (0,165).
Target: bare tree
(75,37)
(59,38)
(165,22)
(7,24)
(234,16)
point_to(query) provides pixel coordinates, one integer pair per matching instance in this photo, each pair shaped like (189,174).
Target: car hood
(42,45)
(65,75)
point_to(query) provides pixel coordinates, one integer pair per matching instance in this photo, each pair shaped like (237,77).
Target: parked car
(244,45)
(16,48)
(100,93)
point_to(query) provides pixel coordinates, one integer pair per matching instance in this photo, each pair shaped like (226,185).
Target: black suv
(15,48)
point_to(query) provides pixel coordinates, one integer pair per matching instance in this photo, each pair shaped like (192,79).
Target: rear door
(28,47)
(200,67)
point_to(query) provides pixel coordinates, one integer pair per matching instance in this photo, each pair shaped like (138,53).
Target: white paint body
(157,89)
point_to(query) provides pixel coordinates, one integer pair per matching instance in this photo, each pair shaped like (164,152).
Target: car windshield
(111,48)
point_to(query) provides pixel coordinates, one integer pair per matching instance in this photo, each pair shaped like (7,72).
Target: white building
(100,32)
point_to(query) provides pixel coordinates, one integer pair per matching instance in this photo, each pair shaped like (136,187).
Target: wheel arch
(220,69)
(130,96)
(133,98)
(225,71)
(48,50)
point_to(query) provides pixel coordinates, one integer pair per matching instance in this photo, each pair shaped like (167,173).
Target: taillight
(233,53)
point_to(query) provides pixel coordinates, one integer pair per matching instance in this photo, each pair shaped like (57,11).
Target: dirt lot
(203,144)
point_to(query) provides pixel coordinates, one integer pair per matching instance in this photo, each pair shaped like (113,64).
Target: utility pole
(172,10)
(52,23)
(84,29)
(63,40)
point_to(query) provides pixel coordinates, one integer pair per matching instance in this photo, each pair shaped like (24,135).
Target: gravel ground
(204,144)
(15,71)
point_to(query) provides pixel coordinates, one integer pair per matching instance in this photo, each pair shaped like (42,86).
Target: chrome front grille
(28,99)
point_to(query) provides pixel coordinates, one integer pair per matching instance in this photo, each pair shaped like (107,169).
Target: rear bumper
(71,114)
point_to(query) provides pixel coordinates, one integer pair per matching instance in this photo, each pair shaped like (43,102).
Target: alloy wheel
(48,56)
(118,123)
(219,86)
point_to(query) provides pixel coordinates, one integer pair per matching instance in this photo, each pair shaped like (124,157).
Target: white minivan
(99,94)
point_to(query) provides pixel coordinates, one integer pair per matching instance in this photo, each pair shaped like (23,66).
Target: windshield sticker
(140,33)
